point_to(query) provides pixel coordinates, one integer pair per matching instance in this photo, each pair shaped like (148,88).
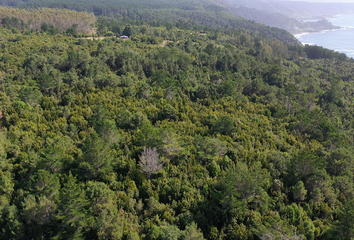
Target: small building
(124,37)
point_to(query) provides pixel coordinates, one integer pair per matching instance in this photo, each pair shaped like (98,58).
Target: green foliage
(107,223)
(209,148)
(299,191)
(31,96)
(244,185)
(169,232)
(50,20)
(316,52)
(224,125)
(128,31)
(177,133)
(97,158)
(214,169)
(184,15)
(343,228)
(168,112)
(72,214)
(192,233)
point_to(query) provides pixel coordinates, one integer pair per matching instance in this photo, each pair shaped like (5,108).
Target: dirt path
(164,42)
(96,38)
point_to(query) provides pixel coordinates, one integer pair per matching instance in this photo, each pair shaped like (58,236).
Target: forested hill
(105,5)
(44,18)
(175,133)
(210,13)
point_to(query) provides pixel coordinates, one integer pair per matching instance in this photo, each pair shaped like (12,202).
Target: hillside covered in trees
(180,132)
(58,19)
(210,13)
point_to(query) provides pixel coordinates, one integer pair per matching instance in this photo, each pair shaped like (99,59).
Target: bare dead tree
(277,231)
(149,162)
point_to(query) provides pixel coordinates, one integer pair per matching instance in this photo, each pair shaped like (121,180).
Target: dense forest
(210,13)
(59,19)
(180,132)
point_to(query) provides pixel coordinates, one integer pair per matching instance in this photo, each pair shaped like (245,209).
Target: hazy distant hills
(303,10)
(298,10)
(288,15)
(279,20)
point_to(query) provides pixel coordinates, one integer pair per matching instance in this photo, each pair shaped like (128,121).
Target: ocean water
(340,40)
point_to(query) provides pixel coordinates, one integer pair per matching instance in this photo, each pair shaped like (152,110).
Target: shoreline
(311,30)
(328,18)
(299,35)
(336,40)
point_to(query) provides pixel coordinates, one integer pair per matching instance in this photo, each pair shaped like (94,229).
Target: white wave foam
(346,27)
(301,34)
(321,32)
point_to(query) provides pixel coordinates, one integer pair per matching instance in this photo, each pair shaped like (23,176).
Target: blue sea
(341,40)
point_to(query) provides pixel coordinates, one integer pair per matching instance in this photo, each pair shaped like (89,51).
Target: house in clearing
(124,37)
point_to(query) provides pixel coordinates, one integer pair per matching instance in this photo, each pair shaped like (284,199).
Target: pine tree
(72,215)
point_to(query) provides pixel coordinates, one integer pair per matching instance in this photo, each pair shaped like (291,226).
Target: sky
(326,1)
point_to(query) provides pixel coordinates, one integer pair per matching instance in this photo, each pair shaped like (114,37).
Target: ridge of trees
(33,19)
(208,13)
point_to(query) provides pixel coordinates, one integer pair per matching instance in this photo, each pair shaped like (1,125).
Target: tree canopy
(175,133)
